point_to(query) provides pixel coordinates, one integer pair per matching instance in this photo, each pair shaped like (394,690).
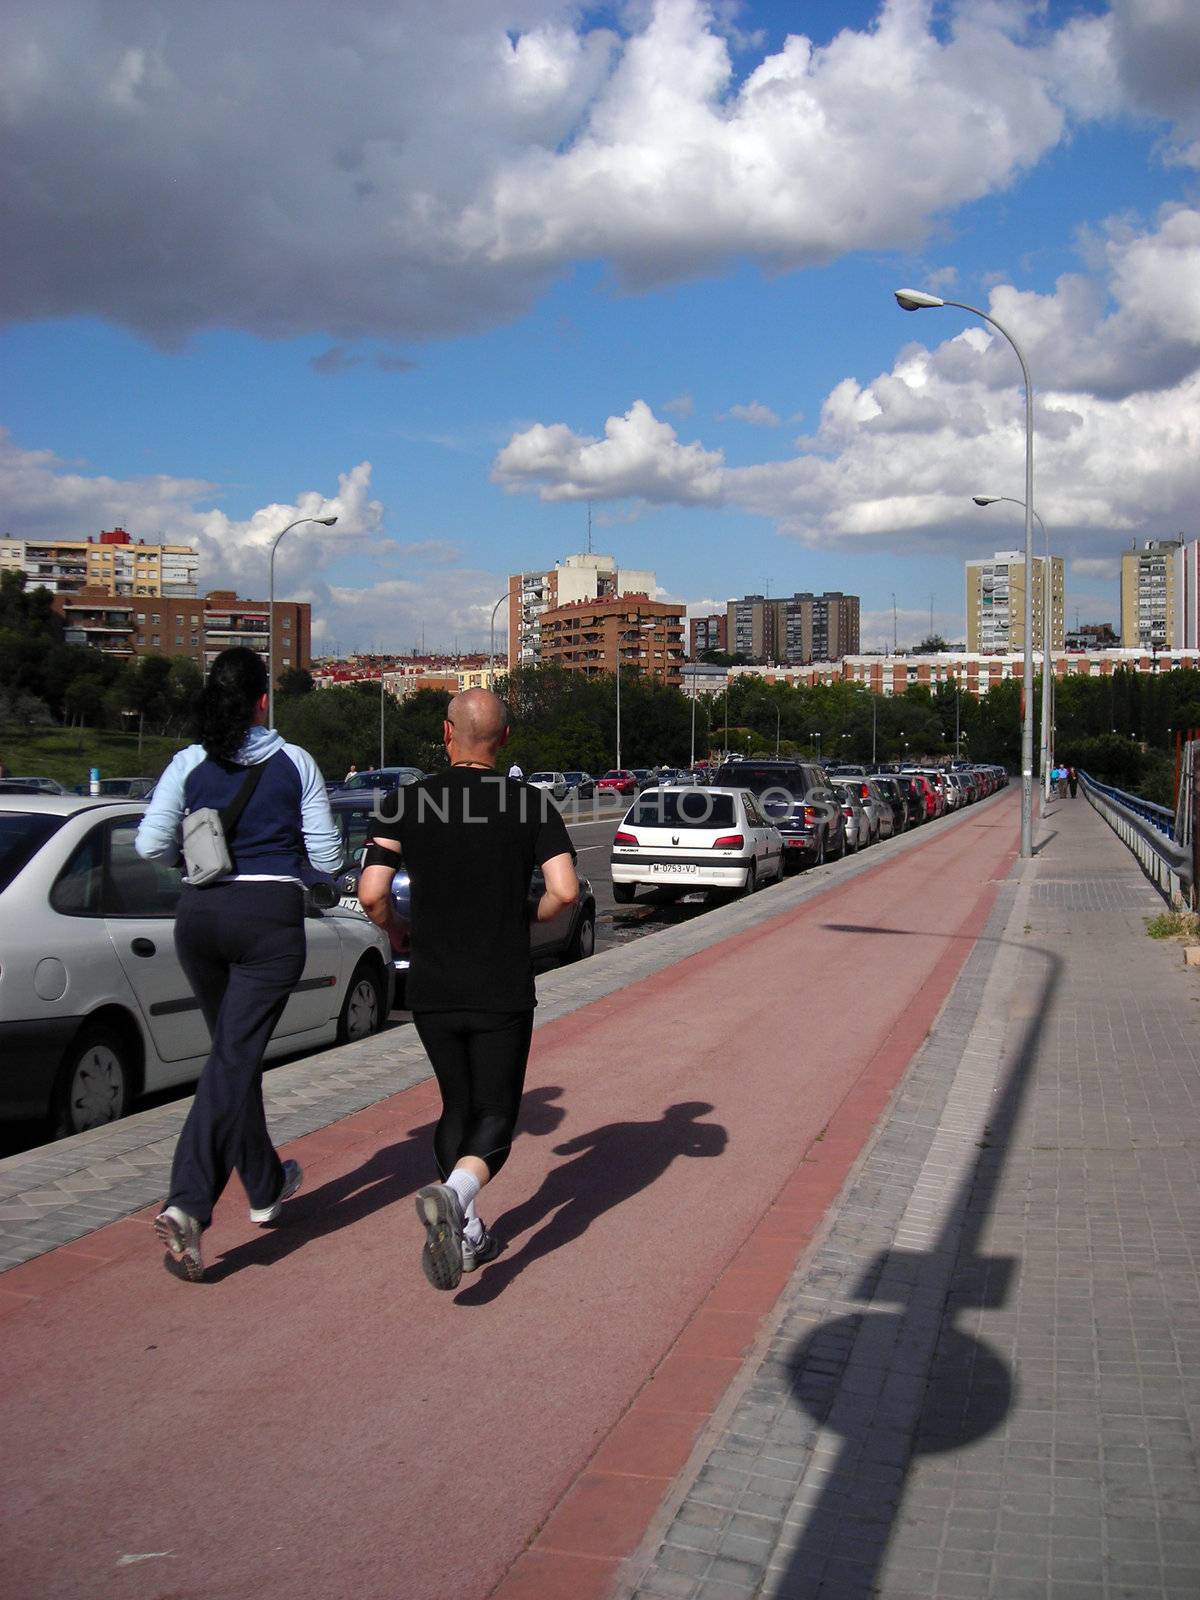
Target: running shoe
(181,1235)
(293,1177)
(478,1253)
(442,1257)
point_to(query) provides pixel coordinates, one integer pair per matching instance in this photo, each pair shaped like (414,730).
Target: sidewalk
(985,1380)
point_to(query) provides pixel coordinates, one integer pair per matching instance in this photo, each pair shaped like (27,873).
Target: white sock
(472,1224)
(464,1185)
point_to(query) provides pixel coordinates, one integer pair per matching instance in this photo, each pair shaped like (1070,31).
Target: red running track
(317,1422)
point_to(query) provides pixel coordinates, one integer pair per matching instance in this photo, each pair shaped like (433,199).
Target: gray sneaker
(181,1235)
(293,1177)
(475,1255)
(442,1256)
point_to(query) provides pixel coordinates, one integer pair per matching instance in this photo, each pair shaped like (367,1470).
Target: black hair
(236,682)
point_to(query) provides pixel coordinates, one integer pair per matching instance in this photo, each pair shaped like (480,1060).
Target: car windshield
(617,773)
(384,777)
(694,809)
(542,777)
(22,835)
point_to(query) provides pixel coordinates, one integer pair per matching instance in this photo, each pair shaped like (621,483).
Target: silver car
(94,1006)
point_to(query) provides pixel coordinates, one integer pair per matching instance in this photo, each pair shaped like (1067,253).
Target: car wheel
(583,940)
(623,893)
(362,1009)
(819,857)
(94,1083)
(751,879)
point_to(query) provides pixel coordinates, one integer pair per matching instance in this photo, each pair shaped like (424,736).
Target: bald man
(470,839)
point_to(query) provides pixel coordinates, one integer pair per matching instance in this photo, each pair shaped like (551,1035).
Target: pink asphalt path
(317,1422)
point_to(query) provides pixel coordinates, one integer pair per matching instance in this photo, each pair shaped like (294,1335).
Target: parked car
(930,801)
(644,778)
(33,786)
(554,783)
(120,788)
(684,838)
(384,778)
(897,801)
(798,800)
(856,820)
(879,811)
(581,784)
(571,937)
(618,780)
(94,1007)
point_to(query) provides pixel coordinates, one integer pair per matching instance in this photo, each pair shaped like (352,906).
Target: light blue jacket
(158,833)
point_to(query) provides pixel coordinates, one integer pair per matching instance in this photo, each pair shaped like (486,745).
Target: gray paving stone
(1041,1422)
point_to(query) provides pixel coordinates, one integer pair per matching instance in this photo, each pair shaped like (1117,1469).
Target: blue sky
(456,277)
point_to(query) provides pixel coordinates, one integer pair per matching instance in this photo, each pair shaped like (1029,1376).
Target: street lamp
(492,644)
(640,629)
(326,522)
(1047,633)
(915,300)
(778,717)
(816,737)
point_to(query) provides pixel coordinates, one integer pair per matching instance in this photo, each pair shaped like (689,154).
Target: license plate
(677,869)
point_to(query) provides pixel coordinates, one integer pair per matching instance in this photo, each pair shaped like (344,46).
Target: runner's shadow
(392,1173)
(612,1164)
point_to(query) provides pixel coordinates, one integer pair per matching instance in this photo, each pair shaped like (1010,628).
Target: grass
(1174,925)
(68,754)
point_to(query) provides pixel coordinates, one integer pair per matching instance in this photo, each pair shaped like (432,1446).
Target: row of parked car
(755,820)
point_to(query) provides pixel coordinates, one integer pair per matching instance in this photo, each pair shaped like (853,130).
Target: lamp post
(492,639)
(640,629)
(326,522)
(1047,636)
(915,300)
(692,762)
(778,718)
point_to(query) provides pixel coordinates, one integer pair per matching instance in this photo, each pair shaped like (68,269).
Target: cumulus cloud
(639,457)
(758,415)
(894,463)
(408,171)
(1096,567)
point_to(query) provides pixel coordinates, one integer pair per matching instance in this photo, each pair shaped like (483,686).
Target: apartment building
(591,636)
(199,628)
(708,633)
(1148,583)
(113,562)
(996,603)
(580,577)
(794,630)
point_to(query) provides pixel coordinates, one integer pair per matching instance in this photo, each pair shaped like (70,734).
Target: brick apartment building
(708,633)
(589,636)
(179,625)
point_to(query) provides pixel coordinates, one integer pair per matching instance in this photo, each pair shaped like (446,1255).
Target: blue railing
(1157,816)
(1149,831)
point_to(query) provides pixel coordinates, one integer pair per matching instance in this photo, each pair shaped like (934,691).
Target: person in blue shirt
(240,940)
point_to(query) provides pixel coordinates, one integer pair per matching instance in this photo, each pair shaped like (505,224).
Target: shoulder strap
(231,814)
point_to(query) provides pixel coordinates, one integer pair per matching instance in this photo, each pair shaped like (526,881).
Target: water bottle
(94,781)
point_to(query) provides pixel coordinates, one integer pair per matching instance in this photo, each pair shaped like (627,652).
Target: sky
(466,275)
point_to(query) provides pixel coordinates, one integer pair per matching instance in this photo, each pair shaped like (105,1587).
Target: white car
(554,783)
(94,1006)
(685,838)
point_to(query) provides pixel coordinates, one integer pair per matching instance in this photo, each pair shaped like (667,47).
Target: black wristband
(377,856)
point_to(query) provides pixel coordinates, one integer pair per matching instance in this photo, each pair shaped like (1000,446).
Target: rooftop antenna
(589,509)
(931,615)
(895,635)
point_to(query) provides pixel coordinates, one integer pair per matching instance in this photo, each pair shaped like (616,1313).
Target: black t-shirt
(470,840)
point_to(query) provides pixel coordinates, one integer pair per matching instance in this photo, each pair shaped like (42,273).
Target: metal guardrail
(1149,831)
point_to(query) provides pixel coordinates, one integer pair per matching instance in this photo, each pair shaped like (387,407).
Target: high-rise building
(996,603)
(1186,594)
(1148,579)
(114,562)
(581,577)
(707,633)
(590,636)
(805,627)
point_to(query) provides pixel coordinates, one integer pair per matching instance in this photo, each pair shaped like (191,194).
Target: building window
(155,619)
(141,638)
(179,621)
(155,640)
(287,623)
(178,638)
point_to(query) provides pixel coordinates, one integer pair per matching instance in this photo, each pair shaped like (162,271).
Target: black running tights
(478,1058)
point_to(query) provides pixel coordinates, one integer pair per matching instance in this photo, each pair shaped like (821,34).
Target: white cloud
(758,415)
(405,171)
(681,406)
(1095,567)
(639,457)
(893,464)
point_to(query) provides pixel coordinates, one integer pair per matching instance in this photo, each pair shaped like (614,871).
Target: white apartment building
(114,562)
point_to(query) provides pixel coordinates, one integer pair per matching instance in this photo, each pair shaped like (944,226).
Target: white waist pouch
(205,834)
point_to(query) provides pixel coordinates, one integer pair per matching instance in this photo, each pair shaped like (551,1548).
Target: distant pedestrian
(470,840)
(1060,774)
(1072,781)
(353,773)
(515,771)
(240,938)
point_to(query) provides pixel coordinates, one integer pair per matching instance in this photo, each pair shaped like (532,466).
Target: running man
(470,840)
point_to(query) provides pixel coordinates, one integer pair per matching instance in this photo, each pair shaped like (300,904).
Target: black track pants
(478,1058)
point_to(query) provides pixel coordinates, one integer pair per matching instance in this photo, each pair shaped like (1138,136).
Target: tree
(930,645)
(295,681)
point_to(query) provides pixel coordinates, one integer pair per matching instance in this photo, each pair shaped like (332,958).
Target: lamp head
(916,300)
(326,522)
(985,499)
